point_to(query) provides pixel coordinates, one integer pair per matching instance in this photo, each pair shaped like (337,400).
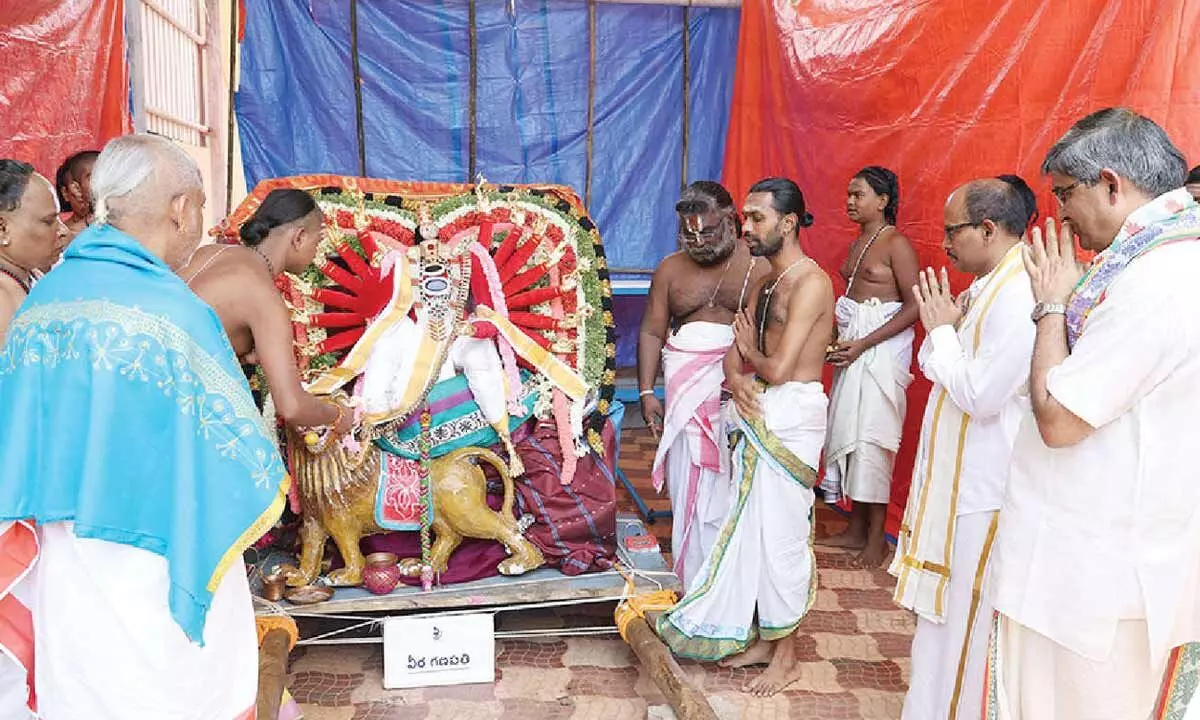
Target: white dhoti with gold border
(760,578)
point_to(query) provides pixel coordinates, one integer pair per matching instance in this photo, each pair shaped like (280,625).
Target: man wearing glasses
(1097,558)
(687,327)
(976,353)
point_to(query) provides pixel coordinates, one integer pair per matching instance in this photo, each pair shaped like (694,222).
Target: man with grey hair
(976,354)
(136,467)
(1097,560)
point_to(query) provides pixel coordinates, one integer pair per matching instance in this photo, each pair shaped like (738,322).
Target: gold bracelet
(312,439)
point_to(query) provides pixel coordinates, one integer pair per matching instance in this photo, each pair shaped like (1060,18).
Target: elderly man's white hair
(138,174)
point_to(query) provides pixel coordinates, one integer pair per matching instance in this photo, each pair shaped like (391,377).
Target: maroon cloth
(575,525)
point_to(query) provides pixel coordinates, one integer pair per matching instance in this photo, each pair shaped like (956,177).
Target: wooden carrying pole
(272,671)
(277,635)
(687,702)
(630,616)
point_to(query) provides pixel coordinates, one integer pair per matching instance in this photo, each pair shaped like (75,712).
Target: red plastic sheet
(64,85)
(941,92)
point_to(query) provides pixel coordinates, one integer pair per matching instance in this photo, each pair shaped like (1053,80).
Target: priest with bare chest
(687,329)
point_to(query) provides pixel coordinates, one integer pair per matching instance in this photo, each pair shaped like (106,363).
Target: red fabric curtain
(941,92)
(64,85)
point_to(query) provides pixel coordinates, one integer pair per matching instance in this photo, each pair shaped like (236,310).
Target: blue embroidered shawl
(123,409)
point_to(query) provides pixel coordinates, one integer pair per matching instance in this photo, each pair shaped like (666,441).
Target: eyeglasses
(1063,194)
(952,230)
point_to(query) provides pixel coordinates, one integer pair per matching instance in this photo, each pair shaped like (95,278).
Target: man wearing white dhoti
(976,354)
(872,355)
(760,579)
(122,590)
(1097,557)
(697,292)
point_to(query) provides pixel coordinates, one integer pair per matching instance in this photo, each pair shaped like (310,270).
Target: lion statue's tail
(482,453)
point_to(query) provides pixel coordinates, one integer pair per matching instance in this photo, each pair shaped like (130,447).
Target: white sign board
(428,651)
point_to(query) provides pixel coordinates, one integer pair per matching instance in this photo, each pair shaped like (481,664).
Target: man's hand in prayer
(746,396)
(745,335)
(935,301)
(1052,267)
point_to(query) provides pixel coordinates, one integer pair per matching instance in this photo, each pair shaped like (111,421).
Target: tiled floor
(854,648)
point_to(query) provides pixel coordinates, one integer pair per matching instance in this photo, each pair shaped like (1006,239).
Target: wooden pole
(472,88)
(687,702)
(687,104)
(358,100)
(234,18)
(591,113)
(272,671)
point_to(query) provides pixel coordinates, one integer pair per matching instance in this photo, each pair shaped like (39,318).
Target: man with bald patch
(136,469)
(976,354)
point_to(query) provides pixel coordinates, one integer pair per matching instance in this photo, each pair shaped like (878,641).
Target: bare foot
(844,540)
(757,654)
(872,556)
(783,671)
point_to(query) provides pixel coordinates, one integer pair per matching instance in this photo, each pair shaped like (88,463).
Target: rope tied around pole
(266,623)
(635,605)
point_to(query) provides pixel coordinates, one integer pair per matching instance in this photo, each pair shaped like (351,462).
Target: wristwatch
(1043,309)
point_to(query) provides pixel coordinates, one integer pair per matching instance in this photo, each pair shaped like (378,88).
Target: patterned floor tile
(893,620)
(467,693)
(877,705)
(463,710)
(861,675)
(840,622)
(316,712)
(523,653)
(827,600)
(748,707)
(533,683)
(346,656)
(852,647)
(875,598)
(893,645)
(599,652)
(820,677)
(322,688)
(387,711)
(806,647)
(602,681)
(525,709)
(608,708)
(825,706)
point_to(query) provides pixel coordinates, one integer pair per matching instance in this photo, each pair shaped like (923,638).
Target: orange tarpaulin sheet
(941,92)
(64,85)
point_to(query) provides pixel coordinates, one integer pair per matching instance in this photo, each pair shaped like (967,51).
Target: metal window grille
(173,46)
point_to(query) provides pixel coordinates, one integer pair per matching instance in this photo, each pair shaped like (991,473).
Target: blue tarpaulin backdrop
(295,103)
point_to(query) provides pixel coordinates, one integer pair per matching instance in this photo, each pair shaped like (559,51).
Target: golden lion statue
(337,497)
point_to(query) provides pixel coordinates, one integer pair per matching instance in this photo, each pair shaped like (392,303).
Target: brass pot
(272,587)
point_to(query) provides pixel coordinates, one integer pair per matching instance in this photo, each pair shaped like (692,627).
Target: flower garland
(583,336)
(423,445)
